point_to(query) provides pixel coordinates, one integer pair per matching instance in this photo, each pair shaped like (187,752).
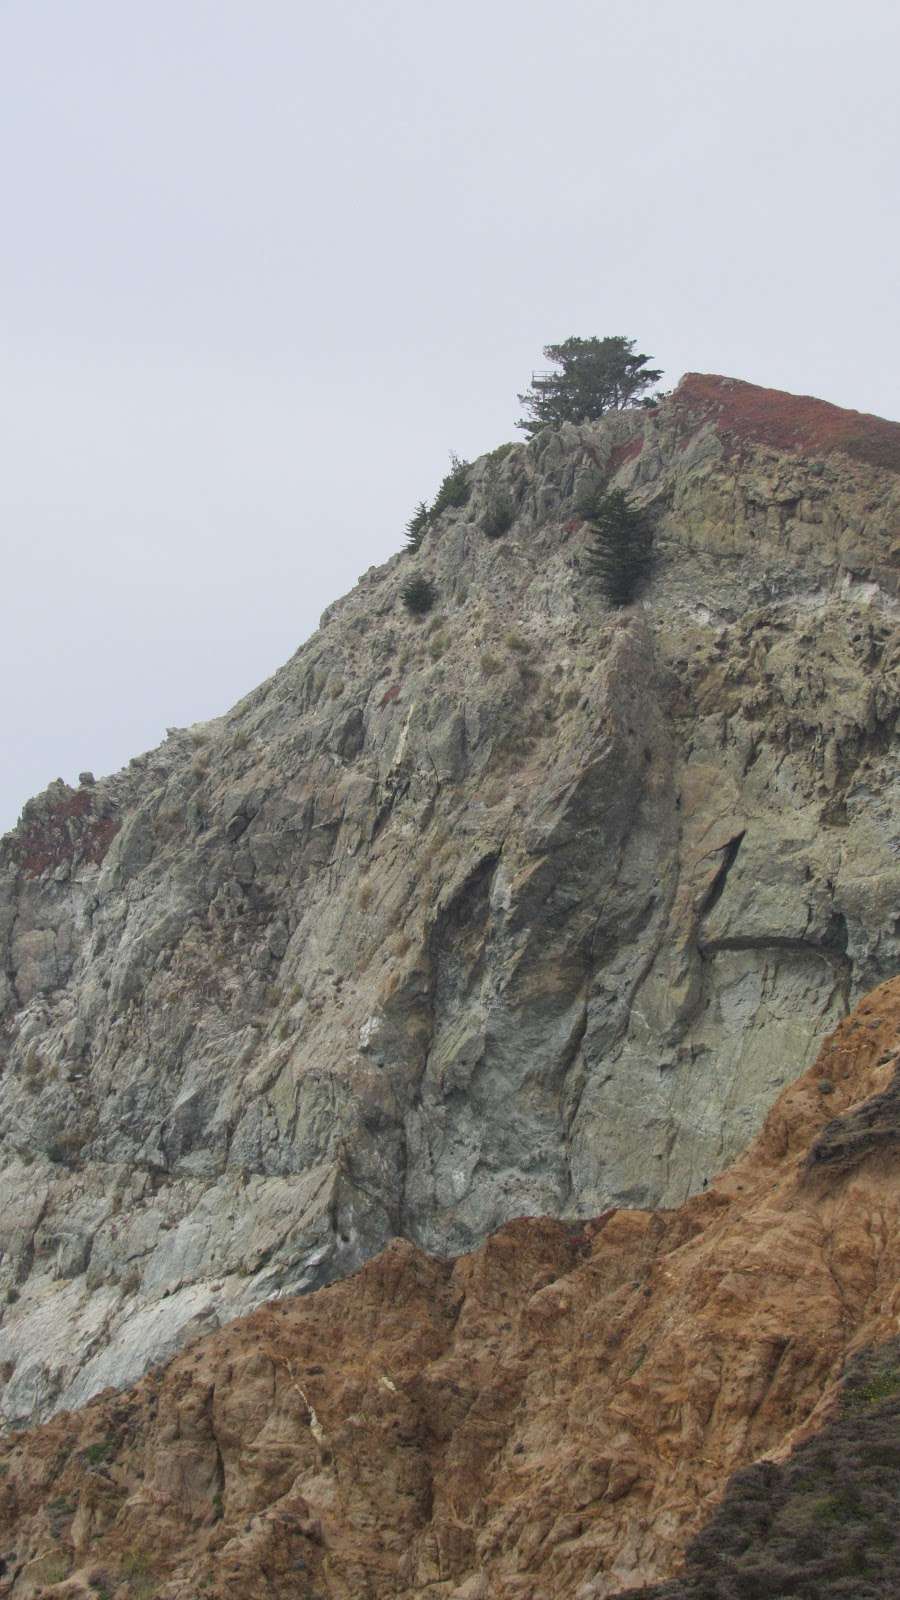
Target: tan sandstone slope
(526,908)
(549,1416)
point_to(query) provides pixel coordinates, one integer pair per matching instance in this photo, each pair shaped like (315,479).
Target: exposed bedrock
(525,907)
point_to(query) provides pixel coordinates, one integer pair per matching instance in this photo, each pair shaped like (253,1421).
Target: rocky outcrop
(526,907)
(556,1413)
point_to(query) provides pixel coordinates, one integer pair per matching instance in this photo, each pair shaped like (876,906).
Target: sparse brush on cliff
(619,556)
(418,596)
(499,454)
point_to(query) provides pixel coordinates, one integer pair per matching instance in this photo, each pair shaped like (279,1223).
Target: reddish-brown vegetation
(623,453)
(796,422)
(66,828)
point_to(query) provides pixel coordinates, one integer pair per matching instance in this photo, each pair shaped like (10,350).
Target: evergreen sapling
(619,556)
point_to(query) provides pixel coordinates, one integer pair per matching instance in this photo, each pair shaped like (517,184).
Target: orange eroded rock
(551,1415)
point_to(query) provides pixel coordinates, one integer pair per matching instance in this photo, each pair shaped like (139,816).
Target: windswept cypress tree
(620,554)
(596,376)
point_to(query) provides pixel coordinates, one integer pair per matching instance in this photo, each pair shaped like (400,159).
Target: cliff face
(554,1414)
(526,908)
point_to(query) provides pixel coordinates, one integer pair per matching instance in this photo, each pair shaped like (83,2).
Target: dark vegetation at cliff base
(822,1525)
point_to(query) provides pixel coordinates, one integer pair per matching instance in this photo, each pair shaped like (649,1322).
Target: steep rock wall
(523,908)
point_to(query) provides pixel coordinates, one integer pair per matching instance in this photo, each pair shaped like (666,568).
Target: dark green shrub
(94,1454)
(418,596)
(619,556)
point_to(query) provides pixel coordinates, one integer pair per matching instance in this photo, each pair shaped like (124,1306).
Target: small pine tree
(620,555)
(418,596)
(417,526)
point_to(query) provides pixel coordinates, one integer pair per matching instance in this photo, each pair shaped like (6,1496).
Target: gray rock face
(526,906)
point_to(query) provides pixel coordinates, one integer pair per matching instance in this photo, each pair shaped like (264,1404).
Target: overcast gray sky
(265,263)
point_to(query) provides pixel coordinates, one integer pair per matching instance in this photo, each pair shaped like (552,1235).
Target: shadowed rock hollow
(526,907)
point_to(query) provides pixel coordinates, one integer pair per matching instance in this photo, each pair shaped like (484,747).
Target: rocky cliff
(526,907)
(555,1414)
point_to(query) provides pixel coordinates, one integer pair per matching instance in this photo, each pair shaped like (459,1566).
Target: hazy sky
(264,264)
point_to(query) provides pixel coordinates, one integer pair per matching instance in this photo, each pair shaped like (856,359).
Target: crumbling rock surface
(523,908)
(555,1414)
